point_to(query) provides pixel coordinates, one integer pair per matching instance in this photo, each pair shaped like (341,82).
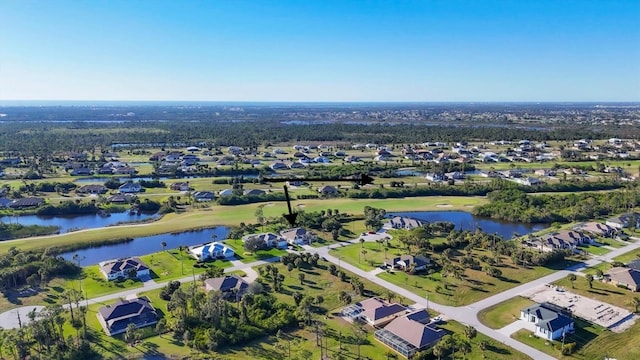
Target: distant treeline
(516,205)
(44,138)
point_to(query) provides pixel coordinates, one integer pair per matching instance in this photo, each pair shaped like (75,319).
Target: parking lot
(594,311)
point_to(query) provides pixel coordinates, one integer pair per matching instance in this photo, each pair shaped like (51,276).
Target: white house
(124,268)
(270,239)
(211,251)
(130,188)
(549,324)
(225,192)
(298,236)
(399,222)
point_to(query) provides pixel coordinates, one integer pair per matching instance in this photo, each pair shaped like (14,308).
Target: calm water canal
(147,245)
(466,221)
(67,223)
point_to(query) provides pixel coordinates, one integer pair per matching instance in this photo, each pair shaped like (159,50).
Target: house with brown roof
(116,317)
(409,334)
(596,228)
(626,277)
(131,267)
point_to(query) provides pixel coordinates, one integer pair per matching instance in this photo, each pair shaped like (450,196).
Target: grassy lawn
(49,295)
(249,257)
(318,281)
(601,292)
(604,266)
(585,336)
(595,250)
(373,257)
(95,284)
(504,313)
(476,285)
(629,256)
(495,350)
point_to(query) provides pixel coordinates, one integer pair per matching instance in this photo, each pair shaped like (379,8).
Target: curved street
(467,314)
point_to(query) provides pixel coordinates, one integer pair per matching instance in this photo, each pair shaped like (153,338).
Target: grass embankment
(504,313)
(233,215)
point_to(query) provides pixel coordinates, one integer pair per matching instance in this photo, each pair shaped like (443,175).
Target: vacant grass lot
(495,350)
(601,291)
(474,286)
(504,313)
(249,257)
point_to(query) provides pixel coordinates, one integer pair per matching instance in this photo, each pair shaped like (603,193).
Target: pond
(467,221)
(147,245)
(69,223)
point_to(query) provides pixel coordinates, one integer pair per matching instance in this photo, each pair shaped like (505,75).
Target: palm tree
(163,244)
(636,302)
(483,346)
(470,332)
(572,278)
(589,278)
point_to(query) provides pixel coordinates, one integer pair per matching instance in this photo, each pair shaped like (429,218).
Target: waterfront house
(92,189)
(130,188)
(596,228)
(399,222)
(211,251)
(271,240)
(131,267)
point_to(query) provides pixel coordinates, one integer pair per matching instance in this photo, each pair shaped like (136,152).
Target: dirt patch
(444,205)
(609,316)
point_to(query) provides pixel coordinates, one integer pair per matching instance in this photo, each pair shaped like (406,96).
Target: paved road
(464,314)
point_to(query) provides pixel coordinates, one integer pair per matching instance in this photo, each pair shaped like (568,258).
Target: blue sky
(287,50)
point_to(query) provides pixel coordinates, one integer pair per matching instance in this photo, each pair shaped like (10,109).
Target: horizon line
(61,101)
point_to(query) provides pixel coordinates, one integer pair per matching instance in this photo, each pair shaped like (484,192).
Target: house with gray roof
(549,323)
(116,317)
(399,222)
(131,267)
(624,221)
(406,262)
